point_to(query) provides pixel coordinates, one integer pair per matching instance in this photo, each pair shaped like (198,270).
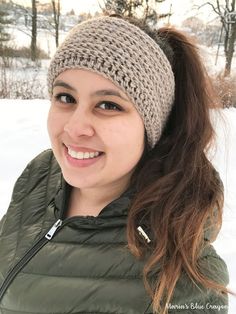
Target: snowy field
(23,135)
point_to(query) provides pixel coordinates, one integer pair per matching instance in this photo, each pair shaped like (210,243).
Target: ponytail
(179,197)
(193,93)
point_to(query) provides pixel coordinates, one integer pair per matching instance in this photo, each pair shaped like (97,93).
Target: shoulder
(213,266)
(35,188)
(40,166)
(41,175)
(33,191)
(190,296)
(44,161)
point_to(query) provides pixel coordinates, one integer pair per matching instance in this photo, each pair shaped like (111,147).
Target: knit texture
(133,61)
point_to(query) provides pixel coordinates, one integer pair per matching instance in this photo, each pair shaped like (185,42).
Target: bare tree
(122,7)
(150,15)
(227,15)
(130,8)
(56,5)
(34,31)
(4,21)
(30,29)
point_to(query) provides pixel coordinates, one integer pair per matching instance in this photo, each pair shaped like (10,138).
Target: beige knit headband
(123,53)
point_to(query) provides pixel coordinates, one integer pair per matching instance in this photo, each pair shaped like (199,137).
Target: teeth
(86,155)
(78,155)
(82,155)
(73,154)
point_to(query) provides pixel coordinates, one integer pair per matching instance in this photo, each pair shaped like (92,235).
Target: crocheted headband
(123,53)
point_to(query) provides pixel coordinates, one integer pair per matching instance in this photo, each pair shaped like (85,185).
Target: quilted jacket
(50,264)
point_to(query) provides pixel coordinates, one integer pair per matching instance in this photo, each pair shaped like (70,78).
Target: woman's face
(96,133)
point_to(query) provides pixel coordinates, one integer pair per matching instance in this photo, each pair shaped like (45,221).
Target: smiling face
(96,133)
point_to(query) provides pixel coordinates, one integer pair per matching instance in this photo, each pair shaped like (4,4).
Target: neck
(91,201)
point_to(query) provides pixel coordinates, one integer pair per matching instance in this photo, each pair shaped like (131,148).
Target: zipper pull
(143,234)
(53,229)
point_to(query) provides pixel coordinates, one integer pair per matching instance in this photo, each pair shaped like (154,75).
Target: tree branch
(22,8)
(218,6)
(100,6)
(213,7)
(21,30)
(227,5)
(233,6)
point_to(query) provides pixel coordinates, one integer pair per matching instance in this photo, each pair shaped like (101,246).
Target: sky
(181,9)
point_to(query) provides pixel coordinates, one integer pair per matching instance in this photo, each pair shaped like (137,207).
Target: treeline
(46,17)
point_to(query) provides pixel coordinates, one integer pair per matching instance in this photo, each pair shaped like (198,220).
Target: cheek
(126,137)
(127,145)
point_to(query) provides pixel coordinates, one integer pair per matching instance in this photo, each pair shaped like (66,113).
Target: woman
(118,217)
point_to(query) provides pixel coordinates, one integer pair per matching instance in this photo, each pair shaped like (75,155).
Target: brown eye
(107,105)
(65,98)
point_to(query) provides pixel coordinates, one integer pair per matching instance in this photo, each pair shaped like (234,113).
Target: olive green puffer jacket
(51,264)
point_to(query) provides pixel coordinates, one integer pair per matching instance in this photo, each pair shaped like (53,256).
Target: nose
(79,124)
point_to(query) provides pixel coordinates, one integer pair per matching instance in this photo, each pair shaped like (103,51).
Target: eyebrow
(102,92)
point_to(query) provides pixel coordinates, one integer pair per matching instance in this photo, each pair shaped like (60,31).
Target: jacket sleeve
(2,223)
(18,194)
(25,183)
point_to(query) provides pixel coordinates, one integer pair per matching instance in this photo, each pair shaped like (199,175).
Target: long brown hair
(179,194)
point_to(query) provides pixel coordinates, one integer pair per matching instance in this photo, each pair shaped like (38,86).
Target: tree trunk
(34,31)
(230,50)
(56,15)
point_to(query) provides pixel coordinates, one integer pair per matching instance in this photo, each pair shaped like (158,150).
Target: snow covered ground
(23,135)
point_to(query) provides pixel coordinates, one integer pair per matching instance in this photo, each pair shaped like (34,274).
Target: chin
(82,183)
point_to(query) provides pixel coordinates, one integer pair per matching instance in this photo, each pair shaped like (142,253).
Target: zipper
(54,228)
(28,256)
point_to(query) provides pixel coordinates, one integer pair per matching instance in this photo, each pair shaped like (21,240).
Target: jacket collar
(113,214)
